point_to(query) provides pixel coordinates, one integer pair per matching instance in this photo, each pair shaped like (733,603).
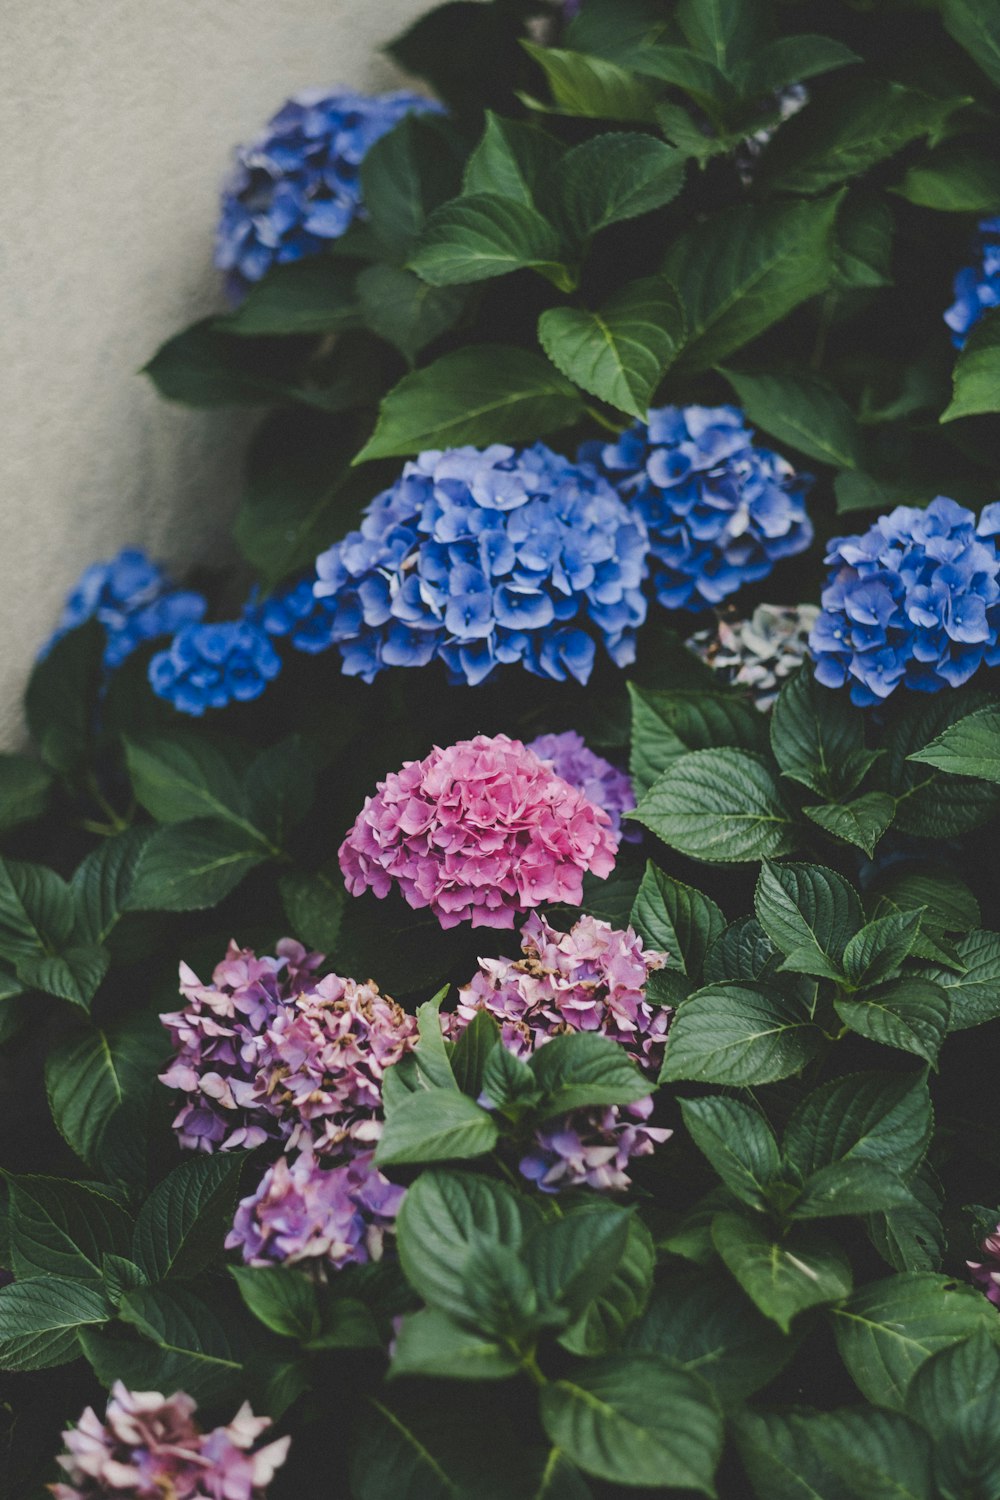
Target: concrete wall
(117,118)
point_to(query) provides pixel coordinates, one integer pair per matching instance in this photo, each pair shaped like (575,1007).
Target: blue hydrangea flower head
(915,601)
(720,512)
(977,288)
(294,613)
(211,666)
(132,598)
(483,558)
(297,186)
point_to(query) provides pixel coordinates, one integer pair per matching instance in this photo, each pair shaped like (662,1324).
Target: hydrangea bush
(499,986)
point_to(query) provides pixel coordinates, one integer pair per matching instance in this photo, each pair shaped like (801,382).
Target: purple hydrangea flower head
(757,654)
(211,666)
(133,599)
(592,978)
(986,1273)
(307,1211)
(915,601)
(598,780)
(270,1051)
(484,558)
(297,186)
(149,1447)
(977,288)
(720,512)
(477,832)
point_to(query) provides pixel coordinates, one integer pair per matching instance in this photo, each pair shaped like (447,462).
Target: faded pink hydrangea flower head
(600,782)
(149,1447)
(986,1273)
(477,832)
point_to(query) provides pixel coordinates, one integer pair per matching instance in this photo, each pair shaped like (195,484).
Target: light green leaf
(482,235)
(592,87)
(735,1035)
(513,159)
(620,352)
(977,371)
(783,1277)
(435,1125)
(721,806)
(970,747)
(956,178)
(725,31)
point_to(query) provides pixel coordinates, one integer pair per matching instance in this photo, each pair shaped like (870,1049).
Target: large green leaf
(189,866)
(912,1014)
(283,1298)
(593,87)
(184,775)
(974,993)
(602,1326)
(571,1260)
(735,1035)
(636,1419)
(971,747)
(725,31)
(482,235)
(482,394)
(722,806)
(314,295)
(809,912)
(406,175)
(861,822)
(583,1069)
(782,1276)
(738,1142)
(61,696)
(956,178)
(929,804)
(818,739)
(977,371)
(888,1329)
(39,1321)
(203,1353)
(836,1455)
(405,311)
(182,1224)
(975,25)
(435,1125)
(676,919)
(612,177)
(791,59)
(803,411)
(874,1117)
(619,352)
(430,1343)
(955,1397)
(36,910)
(876,952)
(72,975)
(665,723)
(24,789)
(513,159)
(61,1228)
(745,269)
(102,884)
(92,1074)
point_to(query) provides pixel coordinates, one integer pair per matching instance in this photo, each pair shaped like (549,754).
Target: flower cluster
(977,288)
(149,1447)
(599,781)
(759,653)
(133,599)
(719,511)
(297,187)
(484,558)
(268,1051)
(478,831)
(307,1210)
(592,978)
(914,600)
(211,666)
(986,1273)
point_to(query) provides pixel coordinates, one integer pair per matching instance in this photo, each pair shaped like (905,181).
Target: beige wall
(116,121)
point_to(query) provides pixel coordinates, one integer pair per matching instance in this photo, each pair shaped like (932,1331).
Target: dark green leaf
(809,912)
(61,1228)
(481,235)
(970,747)
(512,159)
(183,775)
(975,25)
(874,1117)
(665,724)
(430,1343)
(911,1014)
(955,1397)
(791,59)
(406,175)
(314,905)
(731,1034)
(314,295)
(783,1277)
(977,371)
(593,87)
(738,1142)
(721,806)
(283,1298)
(181,1226)
(404,310)
(189,866)
(472,1051)
(435,1125)
(930,805)
(582,1069)
(803,411)
(911,1239)
(612,177)
(725,31)
(24,790)
(61,698)
(73,975)
(743,953)
(956,178)
(36,910)
(601,1327)
(618,353)
(102,884)
(676,919)
(818,739)
(876,952)
(201,1349)
(974,995)
(571,1260)
(861,822)
(836,1455)
(39,1319)
(93,1073)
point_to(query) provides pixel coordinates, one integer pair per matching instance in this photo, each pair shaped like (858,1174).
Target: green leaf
(435,1125)
(102,884)
(432,1055)
(809,912)
(513,159)
(482,394)
(911,1014)
(721,806)
(443,1218)
(189,866)
(404,310)
(283,1298)
(974,994)
(582,1069)
(851,1187)
(699,78)
(182,1224)
(314,295)
(24,790)
(406,175)
(861,822)
(508,1081)
(862,260)
(93,1073)
(889,1328)
(745,269)
(970,747)
(73,975)
(871,1117)
(61,698)
(975,25)
(481,235)
(39,1321)
(929,805)
(61,1228)
(788,60)
(783,1277)
(183,775)
(803,411)
(36,910)
(734,1035)
(314,905)
(861,122)
(676,919)
(977,371)
(593,87)
(836,1455)
(571,1260)
(636,1419)
(817,739)
(743,953)
(206,366)
(430,1343)
(725,31)
(501,1299)
(955,1397)
(911,1239)
(620,352)
(472,1051)
(956,178)
(615,28)
(702,1321)
(738,1142)
(602,1325)
(612,177)
(203,1356)
(280,787)
(666,724)
(877,951)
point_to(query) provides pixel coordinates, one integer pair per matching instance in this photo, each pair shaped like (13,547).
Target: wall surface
(117,118)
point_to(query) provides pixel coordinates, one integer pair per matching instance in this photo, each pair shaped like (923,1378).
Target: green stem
(529,1364)
(602,421)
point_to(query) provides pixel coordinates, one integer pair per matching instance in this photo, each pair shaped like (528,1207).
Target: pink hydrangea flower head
(592,978)
(305,1212)
(986,1273)
(599,781)
(149,1447)
(477,832)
